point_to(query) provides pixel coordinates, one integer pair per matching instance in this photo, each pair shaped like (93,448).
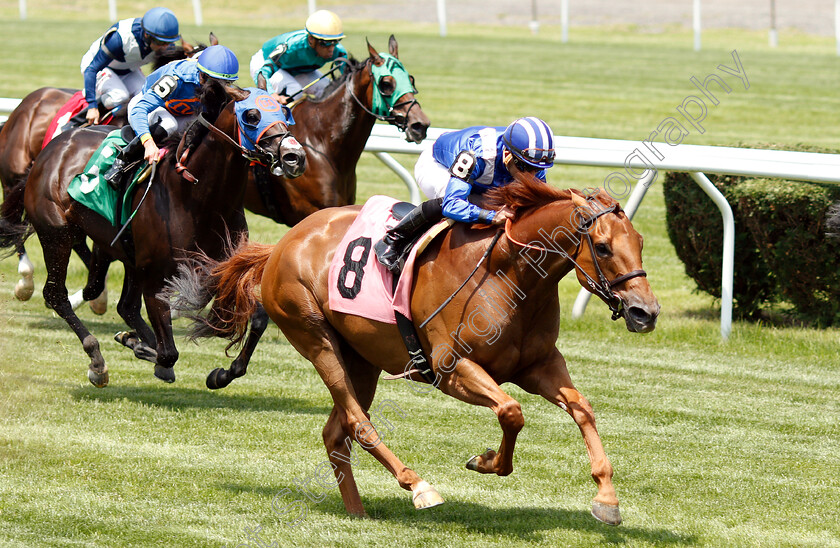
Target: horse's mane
(214,97)
(526,192)
(352,66)
(174,53)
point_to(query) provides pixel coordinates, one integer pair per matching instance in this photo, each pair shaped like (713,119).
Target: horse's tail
(14,230)
(233,283)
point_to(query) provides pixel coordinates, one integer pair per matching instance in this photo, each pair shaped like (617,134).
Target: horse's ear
(393,49)
(236,93)
(374,55)
(188,48)
(213,40)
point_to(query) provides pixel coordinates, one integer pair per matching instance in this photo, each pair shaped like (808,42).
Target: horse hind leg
(219,377)
(321,345)
(94,293)
(56,257)
(25,287)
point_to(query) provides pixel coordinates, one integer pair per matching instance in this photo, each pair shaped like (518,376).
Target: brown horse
(178,215)
(334,132)
(21,139)
(501,327)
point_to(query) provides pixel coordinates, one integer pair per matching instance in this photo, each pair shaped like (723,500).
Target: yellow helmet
(325,25)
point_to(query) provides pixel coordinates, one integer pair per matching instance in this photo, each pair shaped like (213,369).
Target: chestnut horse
(552,232)
(179,215)
(334,131)
(21,139)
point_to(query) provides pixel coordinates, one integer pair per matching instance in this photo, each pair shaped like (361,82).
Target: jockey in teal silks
(465,163)
(111,67)
(290,61)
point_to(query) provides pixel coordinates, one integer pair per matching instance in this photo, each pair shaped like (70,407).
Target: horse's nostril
(638,314)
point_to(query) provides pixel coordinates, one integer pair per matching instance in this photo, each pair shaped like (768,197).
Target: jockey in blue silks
(111,67)
(168,102)
(286,63)
(464,163)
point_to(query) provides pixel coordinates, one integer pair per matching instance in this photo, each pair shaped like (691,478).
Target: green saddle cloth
(92,191)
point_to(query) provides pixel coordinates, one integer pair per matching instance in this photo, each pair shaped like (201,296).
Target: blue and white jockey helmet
(219,62)
(530,140)
(161,24)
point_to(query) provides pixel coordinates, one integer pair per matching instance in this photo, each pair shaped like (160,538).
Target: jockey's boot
(132,152)
(390,250)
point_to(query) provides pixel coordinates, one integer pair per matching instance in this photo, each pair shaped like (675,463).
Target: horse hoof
(424,496)
(472,464)
(99,380)
(24,289)
(213,382)
(166,374)
(145,352)
(99,305)
(606,513)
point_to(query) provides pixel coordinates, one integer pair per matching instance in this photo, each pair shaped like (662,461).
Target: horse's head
(392,93)
(556,227)
(262,129)
(174,52)
(609,260)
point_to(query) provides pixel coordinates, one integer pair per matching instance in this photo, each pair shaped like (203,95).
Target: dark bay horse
(334,131)
(21,139)
(179,215)
(501,327)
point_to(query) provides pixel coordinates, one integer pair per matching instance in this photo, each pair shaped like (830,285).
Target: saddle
(72,115)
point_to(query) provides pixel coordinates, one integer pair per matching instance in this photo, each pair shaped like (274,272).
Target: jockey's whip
(310,84)
(148,173)
(483,257)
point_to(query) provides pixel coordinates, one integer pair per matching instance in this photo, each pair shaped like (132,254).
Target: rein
(460,287)
(601,287)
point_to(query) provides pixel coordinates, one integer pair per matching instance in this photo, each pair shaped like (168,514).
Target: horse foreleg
(142,339)
(469,382)
(25,287)
(551,380)
(219,377)
(159,316)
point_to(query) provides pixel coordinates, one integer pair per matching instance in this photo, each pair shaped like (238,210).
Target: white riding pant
(282,80)
(431,177)
(171,124)
(113,90)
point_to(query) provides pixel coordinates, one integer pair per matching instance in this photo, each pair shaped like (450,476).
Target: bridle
(259,155)
(601,287)
(400,121)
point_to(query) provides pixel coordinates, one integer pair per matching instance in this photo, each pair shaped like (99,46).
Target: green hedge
(781,250)
(695,228)
(787,222)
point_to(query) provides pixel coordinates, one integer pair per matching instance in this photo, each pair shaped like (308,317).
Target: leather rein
(601,287)
(259,155)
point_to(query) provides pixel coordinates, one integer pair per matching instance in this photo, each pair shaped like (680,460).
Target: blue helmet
(161,24)
(219,62)
(531,141)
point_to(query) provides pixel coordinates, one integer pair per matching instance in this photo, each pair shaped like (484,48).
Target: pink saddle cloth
(358,283)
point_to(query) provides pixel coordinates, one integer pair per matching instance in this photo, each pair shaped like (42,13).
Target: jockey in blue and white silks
(169,101)
(466,162)
(111,67)
(286,63)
